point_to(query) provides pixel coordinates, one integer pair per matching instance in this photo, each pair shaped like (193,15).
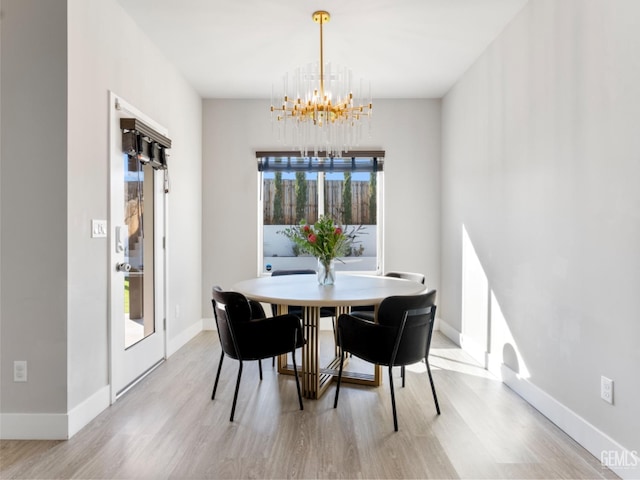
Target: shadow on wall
(485,330)
(510,357)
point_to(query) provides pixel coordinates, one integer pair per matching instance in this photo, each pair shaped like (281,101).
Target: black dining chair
(401,336)
(247,334)
(367,311)
(296,309)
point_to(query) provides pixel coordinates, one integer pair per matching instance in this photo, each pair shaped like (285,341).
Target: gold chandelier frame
(322,119)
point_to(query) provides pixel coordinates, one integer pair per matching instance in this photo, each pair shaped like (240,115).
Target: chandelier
(320,113)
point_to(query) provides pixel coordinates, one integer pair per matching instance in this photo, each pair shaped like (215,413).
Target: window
(348,189)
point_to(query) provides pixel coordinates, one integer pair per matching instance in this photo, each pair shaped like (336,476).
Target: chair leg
(393,399)
(334,321)
(335,400)
(334,324)
(295,374)
(335,336)
(402,374)
(235,395)
(260,368)
(215,385)
(433,388)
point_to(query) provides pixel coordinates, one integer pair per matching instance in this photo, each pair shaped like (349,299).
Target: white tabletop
(348,289)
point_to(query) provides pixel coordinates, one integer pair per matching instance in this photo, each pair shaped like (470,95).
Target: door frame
(116,106)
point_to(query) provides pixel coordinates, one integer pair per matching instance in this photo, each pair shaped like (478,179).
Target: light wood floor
(168,428)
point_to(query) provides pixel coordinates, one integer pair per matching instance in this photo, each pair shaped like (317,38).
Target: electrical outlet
(20,371)
(606,389)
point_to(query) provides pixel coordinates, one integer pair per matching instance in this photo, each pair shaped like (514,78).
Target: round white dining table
(303,290)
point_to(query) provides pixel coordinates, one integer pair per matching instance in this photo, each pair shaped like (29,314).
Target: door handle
(120,238)
(123,267)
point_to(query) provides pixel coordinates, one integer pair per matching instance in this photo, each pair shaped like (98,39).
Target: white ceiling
(404,48)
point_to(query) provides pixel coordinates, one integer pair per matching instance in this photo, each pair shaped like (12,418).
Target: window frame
(378,155)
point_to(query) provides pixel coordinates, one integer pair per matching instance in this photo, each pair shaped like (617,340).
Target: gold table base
(316,379)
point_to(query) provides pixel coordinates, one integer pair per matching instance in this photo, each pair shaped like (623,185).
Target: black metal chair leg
(215,385)
(235,395)
(433,388)
(260,368)
(393,399)
(335,331)
(335,401)
(402,374)
(295,374)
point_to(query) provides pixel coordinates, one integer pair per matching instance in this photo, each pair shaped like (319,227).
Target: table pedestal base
(315,379)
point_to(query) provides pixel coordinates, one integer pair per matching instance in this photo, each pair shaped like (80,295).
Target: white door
(137,258)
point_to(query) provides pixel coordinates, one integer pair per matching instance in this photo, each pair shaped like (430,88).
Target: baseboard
(448,331)
(625,463)
(34,426)
(180,340)
(477,351)
(62,426)
(494,364)
(81,415)
(209,324)
(53,426)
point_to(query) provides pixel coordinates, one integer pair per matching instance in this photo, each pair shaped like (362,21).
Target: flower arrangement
(324,240)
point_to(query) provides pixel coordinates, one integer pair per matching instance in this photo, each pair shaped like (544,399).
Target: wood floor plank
(167,427)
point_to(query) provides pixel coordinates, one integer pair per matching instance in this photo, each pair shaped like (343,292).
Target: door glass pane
(139,314)
(350,199)
(288,198)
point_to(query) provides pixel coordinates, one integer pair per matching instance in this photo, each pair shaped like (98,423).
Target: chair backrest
(415,277)
(229,307)
(306,271)
(412,317)
(279,273)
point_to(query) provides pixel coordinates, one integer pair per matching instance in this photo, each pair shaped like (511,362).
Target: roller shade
(369,161)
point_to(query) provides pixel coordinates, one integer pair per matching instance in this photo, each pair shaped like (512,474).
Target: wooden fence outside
(333,202)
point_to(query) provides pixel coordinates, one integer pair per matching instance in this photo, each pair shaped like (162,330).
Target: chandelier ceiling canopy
(318,111)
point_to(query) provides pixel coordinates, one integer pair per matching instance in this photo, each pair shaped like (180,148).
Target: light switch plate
(19,370)
(98,228)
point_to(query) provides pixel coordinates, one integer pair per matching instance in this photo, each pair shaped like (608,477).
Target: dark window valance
(360,161)
(144,143)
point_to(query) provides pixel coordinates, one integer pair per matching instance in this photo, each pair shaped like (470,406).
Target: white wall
(409,131)
(54,274)
(541,162)
(34,221)
(107,52)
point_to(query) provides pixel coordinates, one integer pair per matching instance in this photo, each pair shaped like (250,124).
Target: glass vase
(326,272)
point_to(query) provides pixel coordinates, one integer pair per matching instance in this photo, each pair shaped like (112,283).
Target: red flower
(306,228)
(338,231)
(311,238)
